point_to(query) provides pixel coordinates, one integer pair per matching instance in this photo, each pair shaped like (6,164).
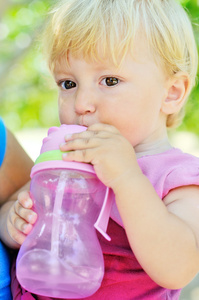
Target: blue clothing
(2,141)
(5,293)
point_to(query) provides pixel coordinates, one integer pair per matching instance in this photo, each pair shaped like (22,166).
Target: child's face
(129,98)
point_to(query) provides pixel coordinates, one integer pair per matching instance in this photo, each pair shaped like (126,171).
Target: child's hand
(110,153)
(21,218)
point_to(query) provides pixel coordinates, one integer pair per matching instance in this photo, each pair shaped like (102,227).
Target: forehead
(139,52)
(78,64)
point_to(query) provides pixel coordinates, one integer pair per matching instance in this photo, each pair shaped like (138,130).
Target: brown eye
(111,81)
(68,84)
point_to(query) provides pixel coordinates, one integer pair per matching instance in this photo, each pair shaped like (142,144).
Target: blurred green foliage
(28,95)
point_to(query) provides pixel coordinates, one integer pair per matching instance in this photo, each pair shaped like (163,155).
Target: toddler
(124,69)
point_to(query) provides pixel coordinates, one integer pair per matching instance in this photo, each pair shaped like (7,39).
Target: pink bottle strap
(103,218)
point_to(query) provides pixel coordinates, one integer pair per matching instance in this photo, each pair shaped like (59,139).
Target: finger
(94,130)
(79,143)
(103,127)
(25,200)
(24,213)
(86,140)
(82,155)
(15,235)
(20,224)
(81,135)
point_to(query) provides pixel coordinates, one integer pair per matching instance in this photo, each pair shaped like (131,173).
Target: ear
(177,92)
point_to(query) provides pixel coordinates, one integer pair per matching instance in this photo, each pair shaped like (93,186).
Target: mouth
(82,122)
(86,121)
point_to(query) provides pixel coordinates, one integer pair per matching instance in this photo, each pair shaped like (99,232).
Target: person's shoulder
(170,169)
(184,171)
(182,158)
(171,158)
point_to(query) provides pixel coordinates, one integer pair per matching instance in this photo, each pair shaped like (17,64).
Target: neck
(154,147)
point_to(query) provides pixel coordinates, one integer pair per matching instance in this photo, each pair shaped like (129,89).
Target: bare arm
(164,238)
(15,170)
(14,177)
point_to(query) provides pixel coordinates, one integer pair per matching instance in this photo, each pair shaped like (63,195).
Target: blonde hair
(98,29)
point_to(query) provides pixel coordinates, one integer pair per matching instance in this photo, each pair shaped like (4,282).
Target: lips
(87,120)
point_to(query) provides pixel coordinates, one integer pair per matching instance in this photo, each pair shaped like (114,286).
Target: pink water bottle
(62,257)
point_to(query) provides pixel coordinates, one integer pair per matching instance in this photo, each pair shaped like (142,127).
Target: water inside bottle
(46,275)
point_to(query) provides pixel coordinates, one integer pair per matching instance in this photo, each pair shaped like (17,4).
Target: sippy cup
(62,257)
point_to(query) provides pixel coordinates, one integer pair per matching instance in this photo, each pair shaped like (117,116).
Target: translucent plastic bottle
(62,257)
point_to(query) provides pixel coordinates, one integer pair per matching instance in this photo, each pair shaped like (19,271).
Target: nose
(85,101)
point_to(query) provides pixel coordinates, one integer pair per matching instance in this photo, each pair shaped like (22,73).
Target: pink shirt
(124,277)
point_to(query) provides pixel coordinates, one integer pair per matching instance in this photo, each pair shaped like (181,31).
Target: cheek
(62,118)
(60,110)
(65,111)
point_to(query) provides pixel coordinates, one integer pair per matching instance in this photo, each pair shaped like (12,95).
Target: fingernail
(64,155)
(28,203)
(68,136)
(62,144)
(32,218)
(26,228)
